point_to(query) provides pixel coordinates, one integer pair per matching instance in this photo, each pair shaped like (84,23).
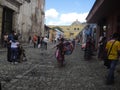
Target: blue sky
(64,12)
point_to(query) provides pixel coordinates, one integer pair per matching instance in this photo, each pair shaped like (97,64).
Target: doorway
(7,21)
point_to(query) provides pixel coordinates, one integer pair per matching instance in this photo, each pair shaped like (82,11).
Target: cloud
(55,23)
(64,18)
(71,17)
(51,13)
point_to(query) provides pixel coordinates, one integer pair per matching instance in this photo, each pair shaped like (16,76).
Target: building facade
(70,31)
(31,19)
(26,17)
(8,12)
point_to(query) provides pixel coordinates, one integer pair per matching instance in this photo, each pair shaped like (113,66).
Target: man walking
(113,49)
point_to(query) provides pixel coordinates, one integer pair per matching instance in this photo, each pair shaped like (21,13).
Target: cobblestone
(40,72)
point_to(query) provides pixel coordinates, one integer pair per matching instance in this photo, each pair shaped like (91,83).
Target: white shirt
(14,44)
(45,39)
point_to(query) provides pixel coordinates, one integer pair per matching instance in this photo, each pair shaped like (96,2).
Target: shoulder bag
(106,60)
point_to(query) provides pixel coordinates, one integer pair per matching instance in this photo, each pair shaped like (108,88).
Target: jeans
(14,54)
(110,77)
(35,44)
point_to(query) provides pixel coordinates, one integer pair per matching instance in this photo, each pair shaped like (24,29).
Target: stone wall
(30,20)
(28,16)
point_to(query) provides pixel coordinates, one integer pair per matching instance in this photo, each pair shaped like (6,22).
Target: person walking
(88,52)
(60,52)
(73,42)
(101,48)
(38,42)
(35,40)
(29,40)
(113,49)
(45,41)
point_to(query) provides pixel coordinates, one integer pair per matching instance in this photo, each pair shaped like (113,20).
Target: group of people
(109,52)
(107,48)
(14,48)
(39,42)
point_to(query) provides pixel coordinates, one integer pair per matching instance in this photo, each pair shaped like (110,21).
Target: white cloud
(65,18)
(70,17)
(55,23)
(51,13)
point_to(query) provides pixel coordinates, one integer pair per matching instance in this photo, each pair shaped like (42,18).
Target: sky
(64,12)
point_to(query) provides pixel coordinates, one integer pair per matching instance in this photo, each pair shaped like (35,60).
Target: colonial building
(105,13)
(9,9)
(31,19)
(70,31)
(52,35)
(26,17)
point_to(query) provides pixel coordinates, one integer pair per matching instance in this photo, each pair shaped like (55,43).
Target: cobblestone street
(40,72)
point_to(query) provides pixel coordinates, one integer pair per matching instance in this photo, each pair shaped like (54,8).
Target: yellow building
(70,32)
(52,35)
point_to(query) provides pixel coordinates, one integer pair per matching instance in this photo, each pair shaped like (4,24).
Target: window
(68,29)
(71,34)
